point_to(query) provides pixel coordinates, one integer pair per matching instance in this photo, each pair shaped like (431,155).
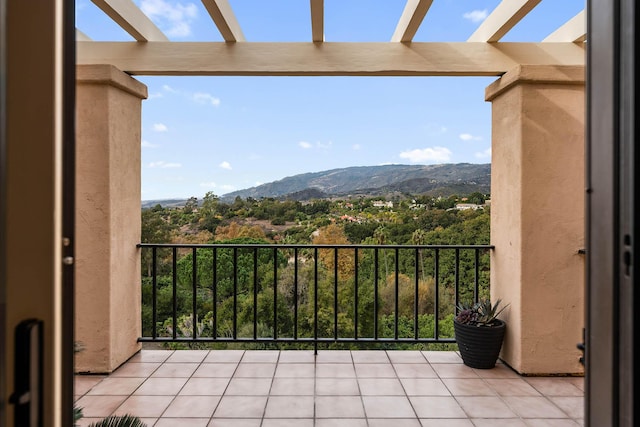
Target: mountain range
(385,180)
(446,179)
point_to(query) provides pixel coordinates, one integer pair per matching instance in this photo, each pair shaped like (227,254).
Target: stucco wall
(537,215)
(108,296)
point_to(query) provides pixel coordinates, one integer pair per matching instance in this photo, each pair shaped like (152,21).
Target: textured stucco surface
(537,215)
(108,135)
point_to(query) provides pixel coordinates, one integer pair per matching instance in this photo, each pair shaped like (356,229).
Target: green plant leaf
(77,413)
(119,421)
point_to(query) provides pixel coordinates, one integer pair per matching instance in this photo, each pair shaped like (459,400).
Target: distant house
(467,206)
(414,205)
(382,204)
(349,218)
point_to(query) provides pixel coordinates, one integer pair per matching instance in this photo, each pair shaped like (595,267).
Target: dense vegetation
(420,220)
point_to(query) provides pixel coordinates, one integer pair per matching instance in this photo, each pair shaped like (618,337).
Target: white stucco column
(537,215)
(108,132)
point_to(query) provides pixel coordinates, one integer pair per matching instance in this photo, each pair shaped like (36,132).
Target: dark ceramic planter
(479,345)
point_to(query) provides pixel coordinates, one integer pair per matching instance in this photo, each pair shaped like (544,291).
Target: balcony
(537,225)
(335,388)
(350,371)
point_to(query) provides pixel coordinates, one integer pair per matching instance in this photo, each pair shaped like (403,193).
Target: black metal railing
(311,294)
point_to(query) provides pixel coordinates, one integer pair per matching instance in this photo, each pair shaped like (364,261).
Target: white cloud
(227,187)
(469,137)
(147,144)
(155,95)
(324,146)
(225,165)
(208,184)
(206,98)
(180,29)
(199,97)
(356,147)
(476,15)
(431,154)
(164,165)
(174,18)
(258,183)
(486,154)
(318,145)
(160,127)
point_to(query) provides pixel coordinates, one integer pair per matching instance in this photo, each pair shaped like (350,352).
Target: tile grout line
(548,396)
(178,393)
(402,385)
(364,409)
(468,416)
(227,386)
(224,392)
(145,380)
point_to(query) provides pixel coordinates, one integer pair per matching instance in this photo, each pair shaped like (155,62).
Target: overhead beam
(325,59)
(412,16)
(503,18)
(317,20)
(575,30)
(82,37)
(225,19)
(128,16)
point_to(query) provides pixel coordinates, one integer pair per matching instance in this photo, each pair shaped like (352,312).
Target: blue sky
(223,134)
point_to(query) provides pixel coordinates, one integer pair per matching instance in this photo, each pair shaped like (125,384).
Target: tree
(477,198)
(381,237)
(209,215)
(359,232)
(333,234)
(155,229)
(235,231)
(419,237)
(190,205)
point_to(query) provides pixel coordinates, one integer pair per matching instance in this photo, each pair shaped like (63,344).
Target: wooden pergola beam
(225,20)
(503,18)
(412,16)
(325,59)
(317,20)
(574,30)
(131,19)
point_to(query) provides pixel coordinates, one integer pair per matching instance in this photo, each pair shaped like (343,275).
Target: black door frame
(68,209)
(612,118)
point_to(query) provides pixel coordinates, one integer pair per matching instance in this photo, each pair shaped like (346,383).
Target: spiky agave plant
(482,313)
(487,312)
(119,421)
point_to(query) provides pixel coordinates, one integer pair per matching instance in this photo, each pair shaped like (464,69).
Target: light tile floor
(233,388)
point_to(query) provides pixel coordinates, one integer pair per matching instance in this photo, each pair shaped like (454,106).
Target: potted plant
(479,333)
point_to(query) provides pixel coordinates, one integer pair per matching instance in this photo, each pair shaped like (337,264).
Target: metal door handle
(27,395)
